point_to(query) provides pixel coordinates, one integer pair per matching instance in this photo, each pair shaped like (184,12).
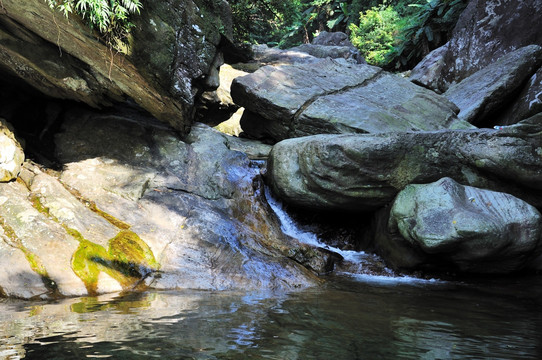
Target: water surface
(349,318)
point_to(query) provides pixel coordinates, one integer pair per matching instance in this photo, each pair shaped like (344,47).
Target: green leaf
(332,23)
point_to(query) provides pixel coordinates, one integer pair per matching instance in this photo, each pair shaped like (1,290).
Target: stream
(355,315)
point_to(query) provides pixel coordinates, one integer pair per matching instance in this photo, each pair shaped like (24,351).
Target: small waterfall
(357,264)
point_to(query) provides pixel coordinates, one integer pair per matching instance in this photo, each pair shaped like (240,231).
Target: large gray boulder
(446,224)
(11,153)
(485,31)
(134,207)
(485,92)
(366,171)
(334,97)
(174,52)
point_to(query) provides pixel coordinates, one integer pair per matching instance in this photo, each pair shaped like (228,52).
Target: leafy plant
(426,30)
(109,17)
(375,34)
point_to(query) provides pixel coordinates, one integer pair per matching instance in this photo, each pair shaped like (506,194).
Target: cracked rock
(333,97)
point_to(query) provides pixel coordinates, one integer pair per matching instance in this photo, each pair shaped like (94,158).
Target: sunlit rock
(11,153)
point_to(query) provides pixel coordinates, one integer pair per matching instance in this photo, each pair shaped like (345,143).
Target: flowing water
(356,315)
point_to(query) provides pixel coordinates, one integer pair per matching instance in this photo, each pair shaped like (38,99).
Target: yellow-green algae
(128,258)
(33,260)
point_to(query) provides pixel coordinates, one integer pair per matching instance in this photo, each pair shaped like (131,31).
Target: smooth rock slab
(366,171)
(473,229)
(332,96)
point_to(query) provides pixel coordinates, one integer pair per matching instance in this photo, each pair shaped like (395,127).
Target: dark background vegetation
(395,34)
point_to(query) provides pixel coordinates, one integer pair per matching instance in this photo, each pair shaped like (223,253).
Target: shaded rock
(217,106)
(485,91)
(427,72)
(475,230)
(173,55)
(11,153)
(349,53)
(254,149)
(527,103)
(333,97)
(264,55)
(336,38)
(486,31)
(366,171)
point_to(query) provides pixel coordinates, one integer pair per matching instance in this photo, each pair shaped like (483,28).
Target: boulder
(335,38)
(11,153)
(332,96)
(263,55)
(484,93)
(363,172)
(527,103)
(173,53)
(446,224)
(349,53)
(427,72)
(485,31)
(135,206)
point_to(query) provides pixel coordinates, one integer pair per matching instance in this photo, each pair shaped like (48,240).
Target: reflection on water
(351,319)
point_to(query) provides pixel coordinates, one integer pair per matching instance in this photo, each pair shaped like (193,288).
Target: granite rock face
(485,92)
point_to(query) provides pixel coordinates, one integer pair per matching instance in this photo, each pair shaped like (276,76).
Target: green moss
(87,263)
(132,254)
(128,260)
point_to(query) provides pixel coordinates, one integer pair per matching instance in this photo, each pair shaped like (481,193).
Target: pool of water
(349,318)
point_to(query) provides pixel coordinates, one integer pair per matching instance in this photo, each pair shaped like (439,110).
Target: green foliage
(428,28)
(109,17)
(375,34)
(264,21)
